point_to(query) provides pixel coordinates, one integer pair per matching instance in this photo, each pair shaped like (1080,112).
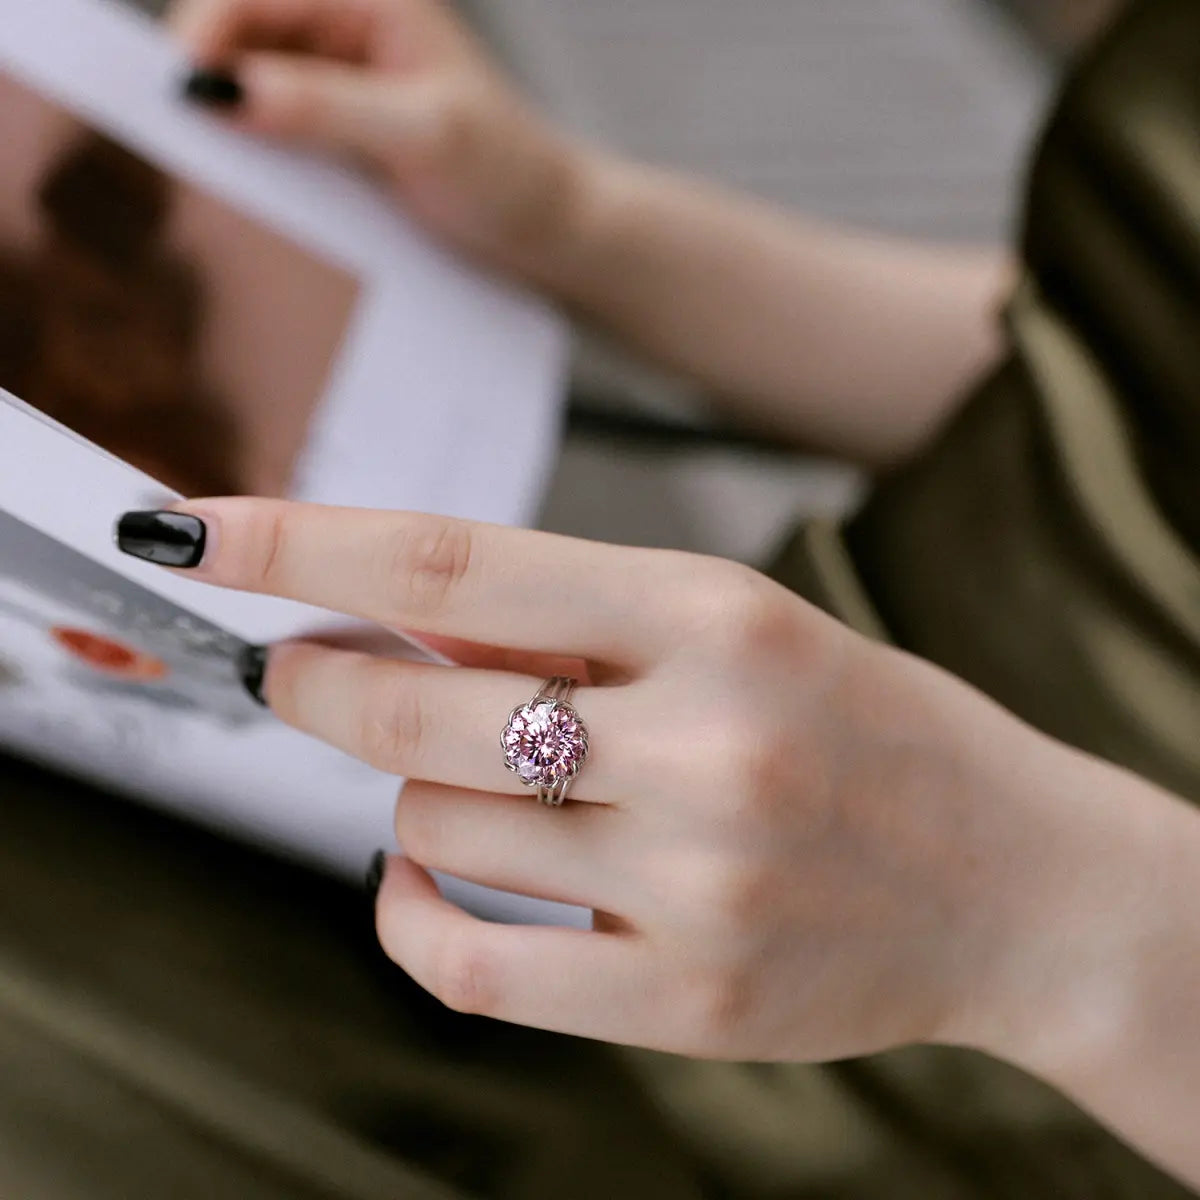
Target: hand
(798,844)
(403,86)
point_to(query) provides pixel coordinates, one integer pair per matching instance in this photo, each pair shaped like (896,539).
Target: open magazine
(186,310)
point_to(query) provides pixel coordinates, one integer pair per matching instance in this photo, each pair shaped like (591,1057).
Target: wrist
(506,188)
(1080,911)
(1096,991)
(581,242)
(553,194)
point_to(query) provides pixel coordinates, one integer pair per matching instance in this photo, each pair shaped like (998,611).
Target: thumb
(337,106)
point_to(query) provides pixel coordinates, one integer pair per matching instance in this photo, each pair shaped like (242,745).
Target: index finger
(214,30)
(485,583)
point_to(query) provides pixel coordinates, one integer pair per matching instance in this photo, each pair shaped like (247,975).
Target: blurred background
(912,116)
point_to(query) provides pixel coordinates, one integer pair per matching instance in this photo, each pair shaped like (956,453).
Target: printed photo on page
(89,656)
(153,318)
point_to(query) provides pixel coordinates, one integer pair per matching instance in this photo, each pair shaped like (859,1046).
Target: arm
(838,340)
(846,342)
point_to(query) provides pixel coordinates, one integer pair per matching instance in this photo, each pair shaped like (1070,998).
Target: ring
(546,742)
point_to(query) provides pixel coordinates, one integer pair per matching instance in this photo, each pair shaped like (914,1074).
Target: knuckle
(747,767)
(743,612)
(393,731)
(418,829)
(735,895)
(464,979)
(424,564)
(267,556)
(760,762)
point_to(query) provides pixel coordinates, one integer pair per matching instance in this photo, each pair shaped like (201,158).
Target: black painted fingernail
(254,669)
(170,539)
(375,874)
(214,89)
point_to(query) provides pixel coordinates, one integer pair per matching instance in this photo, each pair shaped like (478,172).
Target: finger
(215,31)
(343,108)
(512,844)
(443,724)
(565,980)
(484,583)
(391,33)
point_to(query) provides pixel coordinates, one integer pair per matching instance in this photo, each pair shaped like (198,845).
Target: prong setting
(545,741)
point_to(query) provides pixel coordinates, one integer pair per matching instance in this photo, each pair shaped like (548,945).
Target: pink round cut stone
(545,743)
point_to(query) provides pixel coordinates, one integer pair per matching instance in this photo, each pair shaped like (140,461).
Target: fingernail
(213,89)
(375,874)
(254,670)
(170,539)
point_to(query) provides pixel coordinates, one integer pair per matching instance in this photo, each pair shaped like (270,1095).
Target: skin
(800,845)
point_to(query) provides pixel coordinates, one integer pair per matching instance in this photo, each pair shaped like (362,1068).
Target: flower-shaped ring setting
(545,742)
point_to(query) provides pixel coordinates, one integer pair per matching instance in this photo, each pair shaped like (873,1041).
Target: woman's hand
(798,844)
(403,86)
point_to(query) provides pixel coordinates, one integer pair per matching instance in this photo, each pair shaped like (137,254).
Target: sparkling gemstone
(545,743)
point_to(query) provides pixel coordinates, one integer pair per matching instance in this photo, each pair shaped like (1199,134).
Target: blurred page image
(152,318)
(90,658)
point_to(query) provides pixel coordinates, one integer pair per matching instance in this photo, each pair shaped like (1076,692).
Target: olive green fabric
(184,1017)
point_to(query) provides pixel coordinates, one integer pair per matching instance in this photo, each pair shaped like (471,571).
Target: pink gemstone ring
(546,742)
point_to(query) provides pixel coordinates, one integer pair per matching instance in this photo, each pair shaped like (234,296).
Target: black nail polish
(375,873)
(214,89)
(254,669)
(170,539)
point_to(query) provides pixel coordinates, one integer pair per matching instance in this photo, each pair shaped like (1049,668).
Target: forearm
(846,342)
(1102,997)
